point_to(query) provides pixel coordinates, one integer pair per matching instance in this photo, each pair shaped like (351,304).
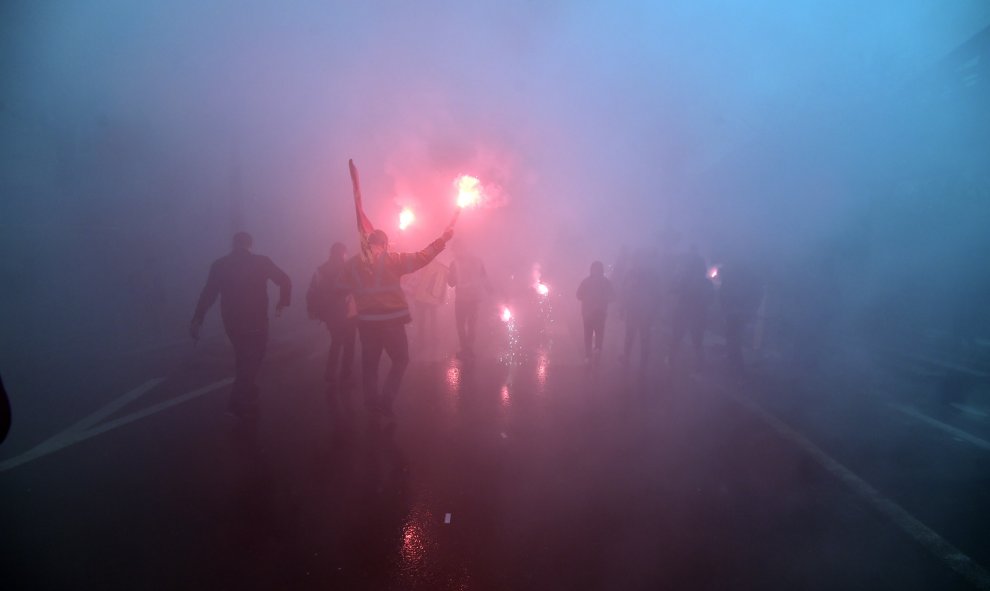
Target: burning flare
(506,314)
(406,218)
(468,191)
(542,289)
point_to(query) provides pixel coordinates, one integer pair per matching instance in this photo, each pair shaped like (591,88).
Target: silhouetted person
(692,293)
(428,290)
(470,282)
(383,312)
(640,297)
(595,293)
(241,280)
(739,297)
(333,305)
(817,294)
(373,277)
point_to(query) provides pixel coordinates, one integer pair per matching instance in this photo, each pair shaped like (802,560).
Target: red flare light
(468,191)
(542,289)
(506,314)
(406,218)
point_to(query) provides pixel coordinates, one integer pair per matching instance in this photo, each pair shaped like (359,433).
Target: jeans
(249,351)
(594,329)
(342,336)
(466,318)
(376,337)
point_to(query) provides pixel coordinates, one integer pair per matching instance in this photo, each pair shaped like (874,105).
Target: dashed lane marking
(75,435)
(114,406)
(955,432)
(970,410)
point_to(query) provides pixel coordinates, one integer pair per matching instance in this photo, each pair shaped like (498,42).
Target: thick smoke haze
(138,136)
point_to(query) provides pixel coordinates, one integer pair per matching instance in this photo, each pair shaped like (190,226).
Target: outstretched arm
(410,262)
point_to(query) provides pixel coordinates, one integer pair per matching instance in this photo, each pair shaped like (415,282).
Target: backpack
(325,301)
(318,297)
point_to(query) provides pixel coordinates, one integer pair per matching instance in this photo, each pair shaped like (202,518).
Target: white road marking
(970,410)
(114,406)
(980,443)
(72,437)
(932,541)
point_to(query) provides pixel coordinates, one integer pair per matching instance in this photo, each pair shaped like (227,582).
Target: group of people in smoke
(644,289)
(362,296)
(359,294)
(362,291)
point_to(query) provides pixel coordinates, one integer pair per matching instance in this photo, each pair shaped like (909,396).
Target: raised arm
(410,262)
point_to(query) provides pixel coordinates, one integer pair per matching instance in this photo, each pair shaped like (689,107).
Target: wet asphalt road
(529,472)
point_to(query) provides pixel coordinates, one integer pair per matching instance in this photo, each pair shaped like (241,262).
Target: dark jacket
(595,293)
(241,280)
(326,300)
(641,293)
(692,288)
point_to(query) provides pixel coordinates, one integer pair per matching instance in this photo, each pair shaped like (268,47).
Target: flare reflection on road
(453,378)
(542,369)
(417,543)
(413,547)
(511,352)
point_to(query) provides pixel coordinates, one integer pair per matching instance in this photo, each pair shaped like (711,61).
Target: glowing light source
(453,378)
(542,289)
(713,272)
(506,314)
(468,191)
(542,367)
(406,218)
